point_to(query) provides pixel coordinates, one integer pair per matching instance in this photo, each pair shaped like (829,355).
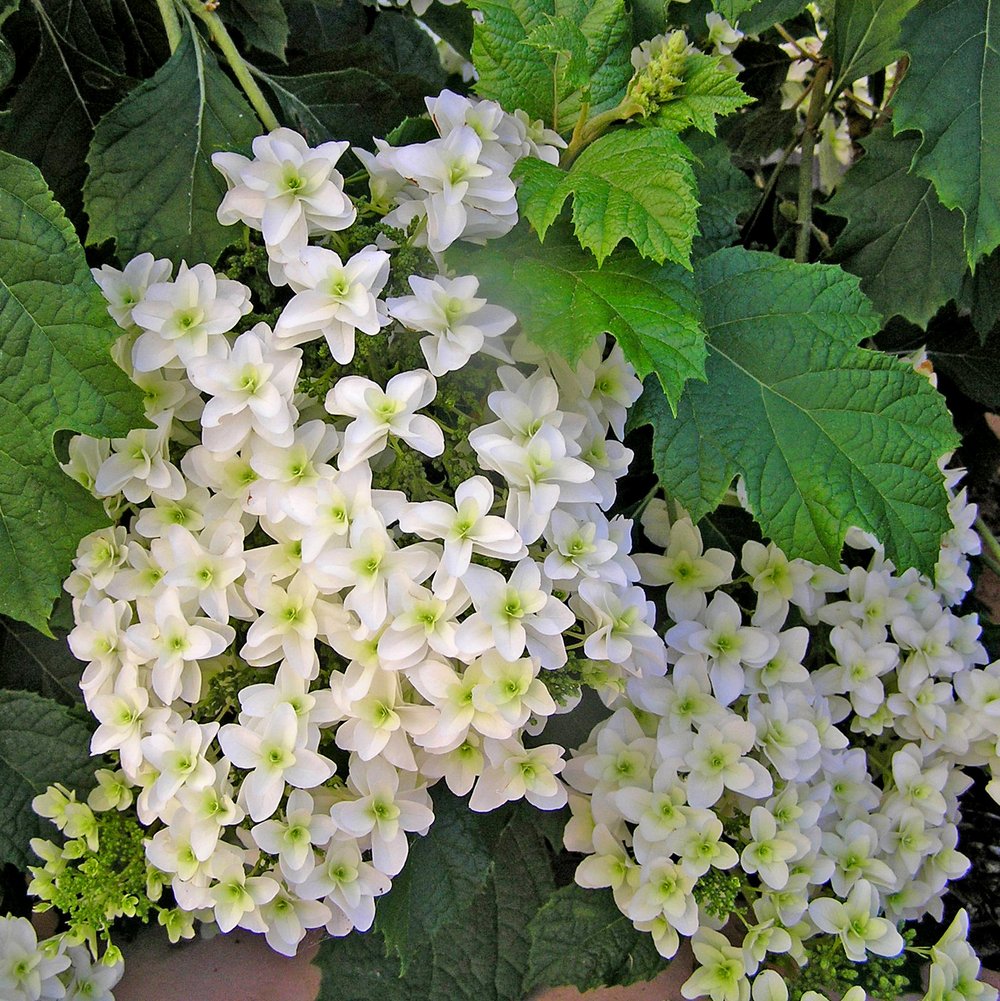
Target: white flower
(515,772)
(251,390)
(139,466)
(185,319)
(25,969)
(235,895)
(126,288)
(179,759)
(514,615)
(464,196)
(665,888)
(466,528)
(854,921)
(458,322)
(288,190)
(333,299)
(720,972)
(378,413)
(275,755)
(346,883)
(292,838)
(383,811)
(688,572)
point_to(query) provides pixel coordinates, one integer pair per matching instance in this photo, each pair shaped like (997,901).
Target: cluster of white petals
(457,186)
(801,762)
(52,969)
(375,640)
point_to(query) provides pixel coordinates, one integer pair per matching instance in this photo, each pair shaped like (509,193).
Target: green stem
(596,127)
(227,47)
(171,23)
(814,116)
(991,552)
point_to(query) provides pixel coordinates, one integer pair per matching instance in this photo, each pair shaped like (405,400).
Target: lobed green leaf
(903,244)
(55,374)
(635,184)
(152,186)
(41,742)
(518,74)
(826,435)
(564,299)
(951,94)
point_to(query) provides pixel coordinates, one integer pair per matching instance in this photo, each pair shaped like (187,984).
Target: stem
(991,554)
(901,67)
(584,135)
(171,23)
(805,53)
(813,118)
(773,179)
(227,47)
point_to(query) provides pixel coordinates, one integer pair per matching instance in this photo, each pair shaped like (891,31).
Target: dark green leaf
(55,374)
(518,75)
(635,184)
(32,662)
(564,300)
(453,22)
(903,244)
(346,104)
(973,365)
(412,130)
(951,93)
(825,434)
(444,871)
(262,23)
(864,37)
(324,25)
(152,186)
(7,60)
(733,10)
(478,953)
(580,937)
(725,194)
(980,294)
(41,742)
(767,12)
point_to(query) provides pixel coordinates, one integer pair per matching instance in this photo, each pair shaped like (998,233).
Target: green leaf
(635,184)
(7,61)
(733,10)
(55,374)
(825,434)
(41,742)
(725,192)
(444,871)
(973,365)
(951,93)
(903,244)
(709,89)
(152,186)
(764,13)
(262,23)
(347,104)
(980,294)
(564,300)
(580,937)
(477,953)
(453,22)
(518,75)
(567,45)
(864,37)
(32,662)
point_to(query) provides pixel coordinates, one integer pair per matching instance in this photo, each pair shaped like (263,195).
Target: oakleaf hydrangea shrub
(352,548)
(366,544)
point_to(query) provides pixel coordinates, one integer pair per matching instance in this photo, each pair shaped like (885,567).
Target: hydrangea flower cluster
(344,566)
(51,969)
(800,765)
